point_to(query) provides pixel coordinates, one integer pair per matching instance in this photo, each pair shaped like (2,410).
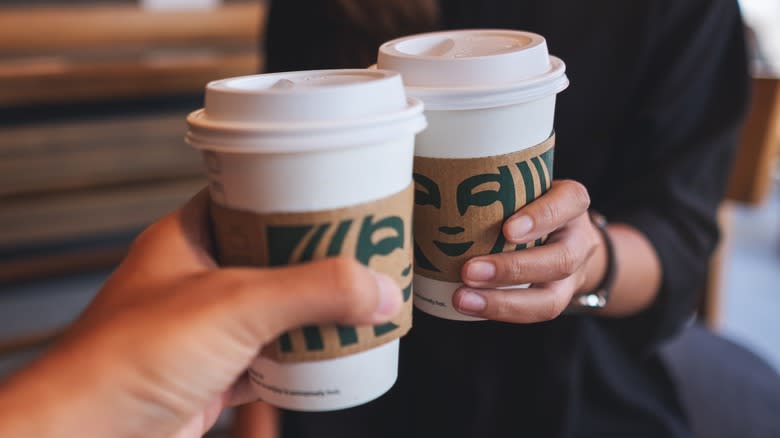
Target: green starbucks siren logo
(284,242)
(378,234)
(461,205)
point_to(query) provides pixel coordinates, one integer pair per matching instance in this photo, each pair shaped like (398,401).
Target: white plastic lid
(466,69)
(306,110)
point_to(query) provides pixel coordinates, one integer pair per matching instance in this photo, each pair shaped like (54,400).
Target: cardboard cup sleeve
(378,234)
(461,205)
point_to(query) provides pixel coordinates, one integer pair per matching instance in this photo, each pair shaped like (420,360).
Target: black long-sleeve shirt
(649,125)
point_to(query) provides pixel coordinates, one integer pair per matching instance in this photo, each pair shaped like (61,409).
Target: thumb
(335,290)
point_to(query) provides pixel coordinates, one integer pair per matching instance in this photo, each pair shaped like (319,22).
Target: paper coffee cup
(306,165)
(488,150)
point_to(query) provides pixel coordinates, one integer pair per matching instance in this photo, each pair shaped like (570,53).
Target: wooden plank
(29,341)
(77,154)
(710,303)
(44,265)
(77,28)
(56,80)
(38,220)
(756,160)
(256,420)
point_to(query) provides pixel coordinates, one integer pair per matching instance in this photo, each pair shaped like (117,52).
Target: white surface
(319,180)
(298,98)
(486,131)
(434,297)
(178,5)
(330,384)
(763,16)
(480,68)
(466,57)
(303,111)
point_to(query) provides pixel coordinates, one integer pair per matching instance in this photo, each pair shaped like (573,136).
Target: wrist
(65,393)
(39,401)
(597,265)
(600,270)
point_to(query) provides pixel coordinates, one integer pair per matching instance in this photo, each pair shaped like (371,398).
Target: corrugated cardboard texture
(378,234)
(461,205)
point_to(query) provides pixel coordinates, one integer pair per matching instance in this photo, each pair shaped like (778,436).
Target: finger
(193,428)
(565,200)
(176,246)
(213,410)
(565,252)
(336,290)
(182,236)
(203,420)
(242,392)
(524,306)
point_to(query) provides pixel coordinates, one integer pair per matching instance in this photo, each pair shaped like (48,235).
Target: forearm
(637,274)
(70,392)
(37,402)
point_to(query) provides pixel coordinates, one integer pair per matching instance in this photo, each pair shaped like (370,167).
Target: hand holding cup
(159,353)
(557,270)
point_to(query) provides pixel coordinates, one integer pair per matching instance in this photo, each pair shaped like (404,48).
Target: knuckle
(549,311)
(351,280)
(511,266)
(579,194)
(231,282)
(579,283)
(560,303)
(345,274)
(549,212)
(553,307)
(502,306)
(503,310)
(235,281)
(594,242)
(567,261)
(151,237)
(147,236)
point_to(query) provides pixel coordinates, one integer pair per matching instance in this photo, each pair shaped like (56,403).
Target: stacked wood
(80,174)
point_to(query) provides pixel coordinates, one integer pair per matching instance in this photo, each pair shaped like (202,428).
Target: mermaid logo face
(477,197)
(461,205)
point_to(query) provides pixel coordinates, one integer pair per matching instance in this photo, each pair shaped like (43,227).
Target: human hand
(573,260)
(163,347)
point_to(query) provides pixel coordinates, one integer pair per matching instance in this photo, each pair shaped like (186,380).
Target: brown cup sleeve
(461,205)
(376,233)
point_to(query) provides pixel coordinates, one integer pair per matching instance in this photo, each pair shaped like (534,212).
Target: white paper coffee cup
(303,143)
(487,93)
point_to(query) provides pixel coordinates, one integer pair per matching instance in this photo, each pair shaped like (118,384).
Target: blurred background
(93,96)
(93,100)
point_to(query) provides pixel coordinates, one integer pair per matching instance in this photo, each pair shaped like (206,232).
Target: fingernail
(389,297)
(519,227)
(480,271)
(471,302)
